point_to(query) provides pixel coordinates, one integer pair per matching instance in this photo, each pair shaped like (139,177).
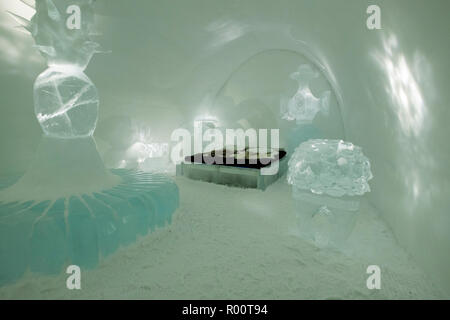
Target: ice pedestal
(68,209)
(324,220)
(328,177)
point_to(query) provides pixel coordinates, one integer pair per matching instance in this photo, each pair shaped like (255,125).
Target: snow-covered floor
(231,243)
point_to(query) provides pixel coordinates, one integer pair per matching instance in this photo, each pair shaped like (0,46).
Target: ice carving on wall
(332,167)
(65,100)
(304,105)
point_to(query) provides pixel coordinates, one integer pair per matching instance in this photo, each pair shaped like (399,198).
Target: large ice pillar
(67,207)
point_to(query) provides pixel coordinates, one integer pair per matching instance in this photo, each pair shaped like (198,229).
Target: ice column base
(324,220)
(46,236)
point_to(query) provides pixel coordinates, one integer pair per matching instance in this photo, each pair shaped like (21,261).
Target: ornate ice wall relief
(304,105)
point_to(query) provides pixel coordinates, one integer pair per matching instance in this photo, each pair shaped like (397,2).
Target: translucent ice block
(326,221)
(327,178)
(65,103)
(332,167)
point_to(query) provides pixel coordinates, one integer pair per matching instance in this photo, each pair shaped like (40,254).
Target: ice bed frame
(257,175)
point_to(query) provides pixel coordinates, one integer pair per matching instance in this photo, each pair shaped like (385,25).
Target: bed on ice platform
(247,168)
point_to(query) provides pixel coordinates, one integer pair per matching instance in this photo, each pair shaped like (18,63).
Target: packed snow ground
(231,243)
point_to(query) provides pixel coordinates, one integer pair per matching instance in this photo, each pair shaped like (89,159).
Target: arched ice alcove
(171,61)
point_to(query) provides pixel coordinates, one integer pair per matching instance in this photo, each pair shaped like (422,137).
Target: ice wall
(171,58)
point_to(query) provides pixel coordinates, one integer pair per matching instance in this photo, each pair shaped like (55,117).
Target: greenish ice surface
(45,236)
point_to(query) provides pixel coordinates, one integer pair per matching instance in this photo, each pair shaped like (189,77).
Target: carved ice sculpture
(304,105)
(65,103)
(67,208)
(327,177)
(332,167)
(65,100)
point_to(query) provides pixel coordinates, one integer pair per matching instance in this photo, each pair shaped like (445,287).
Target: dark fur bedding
(246,158)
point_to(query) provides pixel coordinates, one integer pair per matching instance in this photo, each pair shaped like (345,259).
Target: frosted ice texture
(304,105)
(47,235)
(332,167)
(65,103)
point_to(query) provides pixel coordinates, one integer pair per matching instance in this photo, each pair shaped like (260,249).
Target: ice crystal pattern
(66,104)
(332,167)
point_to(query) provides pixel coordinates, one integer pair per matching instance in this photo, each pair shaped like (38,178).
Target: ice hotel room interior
(198,149)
